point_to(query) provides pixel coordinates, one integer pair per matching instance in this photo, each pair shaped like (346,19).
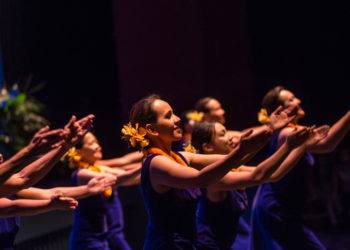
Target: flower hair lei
(135,135)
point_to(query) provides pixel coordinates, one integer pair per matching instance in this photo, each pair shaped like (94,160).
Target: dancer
(98,220)
(222,203)
(169,186)
(277,209)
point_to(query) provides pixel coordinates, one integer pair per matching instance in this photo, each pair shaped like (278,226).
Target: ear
(151,130)
(207,148)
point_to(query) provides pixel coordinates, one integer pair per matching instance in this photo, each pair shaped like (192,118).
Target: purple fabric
(171,216)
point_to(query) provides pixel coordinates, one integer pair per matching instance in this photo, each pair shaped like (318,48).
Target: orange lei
(108,192)
(172,156)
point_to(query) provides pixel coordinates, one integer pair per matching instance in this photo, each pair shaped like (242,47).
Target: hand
(76,130)
(280,118)
(1,158)
(101,183)
(45,139)
(298,136)
(63,203)
(254,138)
(316,135)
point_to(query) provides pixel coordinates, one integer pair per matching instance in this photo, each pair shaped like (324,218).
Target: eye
(168,115)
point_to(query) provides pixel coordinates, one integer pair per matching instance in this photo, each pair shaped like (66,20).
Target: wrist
(270,127)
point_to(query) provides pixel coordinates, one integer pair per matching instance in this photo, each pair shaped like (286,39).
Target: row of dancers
(192,173)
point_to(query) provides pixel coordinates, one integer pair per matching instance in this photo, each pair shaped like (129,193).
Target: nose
(298,101)
(176,119)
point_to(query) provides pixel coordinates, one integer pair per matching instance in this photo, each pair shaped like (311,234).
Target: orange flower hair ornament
(135,135)
(195,116)
(189,148)
(263,116)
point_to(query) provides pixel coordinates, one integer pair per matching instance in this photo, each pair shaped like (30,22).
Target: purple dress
(8,230)
(98,223)
(218,222)
(277,211)
(171,215)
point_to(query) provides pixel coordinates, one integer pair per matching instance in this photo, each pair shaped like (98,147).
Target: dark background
(100,56)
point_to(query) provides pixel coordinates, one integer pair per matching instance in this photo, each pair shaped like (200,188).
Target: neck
(165,146)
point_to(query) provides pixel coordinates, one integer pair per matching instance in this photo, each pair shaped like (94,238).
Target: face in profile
(167,126)
(91,150)
(288,98)
(216,112)
(221,142)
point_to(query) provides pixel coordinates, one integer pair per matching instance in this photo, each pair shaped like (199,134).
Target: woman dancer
(98,220)
(277,209)
(222,203)
(169,186)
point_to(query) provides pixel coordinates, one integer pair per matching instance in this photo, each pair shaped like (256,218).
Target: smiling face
(287,99)
(167,127)
(222,141)
(215,112)
(91,150)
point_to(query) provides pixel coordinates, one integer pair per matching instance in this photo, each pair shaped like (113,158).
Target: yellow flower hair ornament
(72,156)
(195,116)
(263,116)
(135,135)
(189,148)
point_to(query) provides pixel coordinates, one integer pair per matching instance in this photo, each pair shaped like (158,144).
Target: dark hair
(142,112)
(201,104)
(272,99)
(203,132)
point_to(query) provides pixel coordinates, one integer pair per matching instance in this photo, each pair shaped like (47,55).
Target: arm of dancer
(32,173)
(165,173)
(23,207)
(95,186)
(247,143)
(129,175)
(274,167)
(122,177)
(42,142)
(336,133)
(232,181)
(122,162)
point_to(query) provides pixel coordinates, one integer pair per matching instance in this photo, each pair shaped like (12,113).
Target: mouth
(178,129)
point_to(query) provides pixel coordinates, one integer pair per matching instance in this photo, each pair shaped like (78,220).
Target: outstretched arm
(95,186)
(32,173)
(42,142)
(122,161)
(336,133)
(23,207)
(250,176)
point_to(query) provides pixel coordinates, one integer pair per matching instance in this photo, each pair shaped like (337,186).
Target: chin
(301,113)
(221,120)
(98,156)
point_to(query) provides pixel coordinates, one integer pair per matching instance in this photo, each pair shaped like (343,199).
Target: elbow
(201,181)
(21,182)
(275,178)
(259,177)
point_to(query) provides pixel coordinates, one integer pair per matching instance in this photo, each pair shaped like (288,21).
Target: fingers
(43,130)
(247,133)
(292,110)
(277,110)
(68,202)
